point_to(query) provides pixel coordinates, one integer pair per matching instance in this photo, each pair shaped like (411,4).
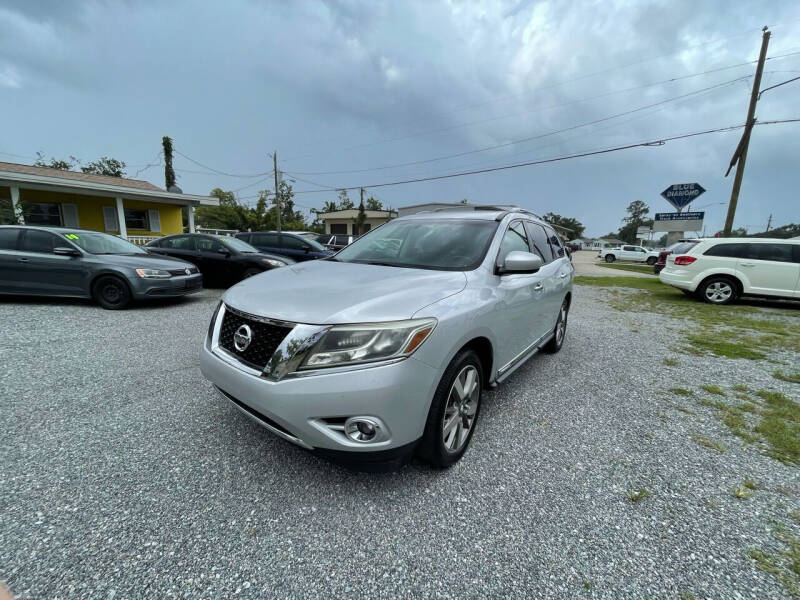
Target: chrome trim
(259,318)
(522,355)
(336,432)
(293,349)
(344,368)
(264,424)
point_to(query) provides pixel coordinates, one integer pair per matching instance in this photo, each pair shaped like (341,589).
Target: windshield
(237,244)
(102,243)
(448,245)
(313,243)
(309,235)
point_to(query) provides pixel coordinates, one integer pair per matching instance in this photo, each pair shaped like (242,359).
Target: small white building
(431,206)
(345,222)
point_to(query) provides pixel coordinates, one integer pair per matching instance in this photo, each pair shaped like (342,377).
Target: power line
(528,139)
(654,142)
(199,164)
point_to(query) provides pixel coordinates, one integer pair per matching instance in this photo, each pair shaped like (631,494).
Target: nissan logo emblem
(242,338)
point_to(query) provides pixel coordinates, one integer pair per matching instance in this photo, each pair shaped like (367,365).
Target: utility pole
(769,222)
(277,195)
(741,151)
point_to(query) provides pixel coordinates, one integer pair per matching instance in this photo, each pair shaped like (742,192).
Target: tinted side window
(737,250)
(245,237)
(8,238)
(682,247)
(555,243)
(209,245)
(38,241)
(265,239)
(182,242)
(515,238)
(773,252)
(293,243)
(540,243)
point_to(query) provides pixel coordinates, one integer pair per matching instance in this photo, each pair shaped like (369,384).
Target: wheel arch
(482,346)
(105,273)
(733,278)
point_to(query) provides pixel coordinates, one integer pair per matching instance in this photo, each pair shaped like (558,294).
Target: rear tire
(718,290)
(454,411)
(111,292)
(610,258)
(652,260)
(560,330)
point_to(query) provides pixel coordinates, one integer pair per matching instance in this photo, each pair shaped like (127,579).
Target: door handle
(537,287)
(564,274)
(746,264)
(22,260)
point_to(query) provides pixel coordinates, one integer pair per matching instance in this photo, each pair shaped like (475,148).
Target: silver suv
(382,351)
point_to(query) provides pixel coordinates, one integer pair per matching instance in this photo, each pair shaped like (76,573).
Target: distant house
(130,208)
(600,243)
(344,222)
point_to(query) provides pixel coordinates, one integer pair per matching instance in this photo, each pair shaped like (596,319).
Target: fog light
(361,429)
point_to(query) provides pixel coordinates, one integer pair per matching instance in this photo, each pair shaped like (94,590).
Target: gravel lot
(124,476)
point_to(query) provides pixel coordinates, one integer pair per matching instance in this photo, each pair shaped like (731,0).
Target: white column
(191,218)
(16,209)
(123,231)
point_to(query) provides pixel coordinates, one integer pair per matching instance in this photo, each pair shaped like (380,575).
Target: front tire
(652,260)
(454,411)
(610,258)
(718,290)
(111,292)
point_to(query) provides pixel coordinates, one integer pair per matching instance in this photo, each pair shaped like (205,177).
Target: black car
(295,246)
(222,260)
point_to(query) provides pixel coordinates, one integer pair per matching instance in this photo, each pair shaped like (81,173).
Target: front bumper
(301,409)
(174,286)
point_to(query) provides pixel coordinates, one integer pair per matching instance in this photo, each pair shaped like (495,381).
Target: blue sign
(687,216)
(681,195)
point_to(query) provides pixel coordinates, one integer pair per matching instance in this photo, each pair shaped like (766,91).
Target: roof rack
(507,208)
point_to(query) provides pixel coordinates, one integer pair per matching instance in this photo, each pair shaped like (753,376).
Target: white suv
(634,253)
(720,270)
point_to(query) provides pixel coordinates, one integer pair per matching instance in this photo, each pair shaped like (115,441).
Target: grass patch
(740,387)
(783,563)
(741,492)
(713,403)
(632,268)
(780,426)
(749,484)
(790,377)
(638,496)
(729,348)
(704,441)
(713,389)
(671,362)
(681,392)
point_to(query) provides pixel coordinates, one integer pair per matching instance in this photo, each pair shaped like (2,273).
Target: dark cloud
(342,85)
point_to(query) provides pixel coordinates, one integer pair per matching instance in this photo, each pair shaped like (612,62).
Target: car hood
(327,292)
(143,261)
(256,256)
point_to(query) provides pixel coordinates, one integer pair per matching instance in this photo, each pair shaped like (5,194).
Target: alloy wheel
(561,326)
(462,406)
(719,291)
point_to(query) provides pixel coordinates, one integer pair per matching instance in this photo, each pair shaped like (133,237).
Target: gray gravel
(124,476)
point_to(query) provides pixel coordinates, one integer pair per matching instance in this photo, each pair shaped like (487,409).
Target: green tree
(225,198)
(374,204)
(55,163)
(105,166)
(576,227)
(329,206)
(344,201)
(169,172)
(637,211)
(291,219)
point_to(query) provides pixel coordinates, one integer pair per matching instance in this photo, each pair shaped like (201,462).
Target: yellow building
(130,208)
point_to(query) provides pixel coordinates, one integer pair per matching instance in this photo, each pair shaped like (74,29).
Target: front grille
(178,272)
(265,338)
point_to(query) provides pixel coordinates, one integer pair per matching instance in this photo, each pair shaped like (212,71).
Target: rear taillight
(684,260)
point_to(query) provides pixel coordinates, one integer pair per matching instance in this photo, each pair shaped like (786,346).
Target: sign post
(680,195)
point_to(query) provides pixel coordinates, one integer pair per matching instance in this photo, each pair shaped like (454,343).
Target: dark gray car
(57,261)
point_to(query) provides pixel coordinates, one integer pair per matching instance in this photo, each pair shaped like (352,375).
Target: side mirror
(307,249)
(66,251)
(521,262)
(224,251)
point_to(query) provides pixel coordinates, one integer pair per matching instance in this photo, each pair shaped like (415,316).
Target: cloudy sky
(362,93)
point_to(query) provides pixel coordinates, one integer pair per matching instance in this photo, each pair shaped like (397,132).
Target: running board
(505,372)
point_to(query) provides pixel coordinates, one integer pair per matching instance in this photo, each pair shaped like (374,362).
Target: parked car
(63,262)
(633,253)
(297,247)
(222,260)
(678,247)
(721,270)
(418,317)
(335,241)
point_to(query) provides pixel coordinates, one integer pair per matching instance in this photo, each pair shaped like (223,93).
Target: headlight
(348,344)
(153,273)
(274,263)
